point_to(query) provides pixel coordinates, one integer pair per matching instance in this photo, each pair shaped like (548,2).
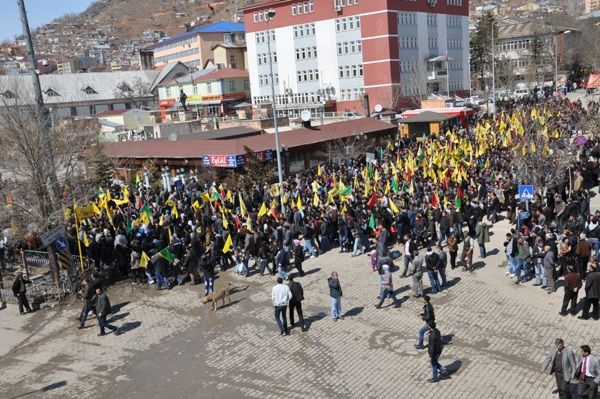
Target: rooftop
(217,27)
(194,149)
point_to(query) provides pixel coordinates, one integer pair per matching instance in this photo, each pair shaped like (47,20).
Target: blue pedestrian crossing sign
(526,191)
(61,244)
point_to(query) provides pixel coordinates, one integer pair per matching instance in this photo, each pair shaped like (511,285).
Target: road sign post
(526,193)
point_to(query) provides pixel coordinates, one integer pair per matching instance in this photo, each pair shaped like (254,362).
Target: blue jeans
(357,245)
(424,328)
(540,276)
(208,284)
(308,247)
(84,313)
(407,260)
(482,250)
(280,313)
(336,307)
(160,280)
(522,265)
(442,271)
(343,238)
(387,293)
(512,264)
(264,264)
(433,279)
(436,367)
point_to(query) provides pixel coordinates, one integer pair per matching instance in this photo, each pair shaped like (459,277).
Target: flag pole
(78,239)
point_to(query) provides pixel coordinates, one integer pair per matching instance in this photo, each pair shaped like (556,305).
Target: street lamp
(564,32)
(270,16)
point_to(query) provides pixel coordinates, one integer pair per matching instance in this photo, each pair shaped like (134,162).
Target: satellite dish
(378,108)
(173,137)
(305,115)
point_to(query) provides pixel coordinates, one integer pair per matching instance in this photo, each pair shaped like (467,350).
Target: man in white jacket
(281,295)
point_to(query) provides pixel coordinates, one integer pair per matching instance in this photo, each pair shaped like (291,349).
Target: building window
(232,85)
(89,90)
(195,89)
(168,92)
(246,85)
(209,88)
(52,93)
(9,94)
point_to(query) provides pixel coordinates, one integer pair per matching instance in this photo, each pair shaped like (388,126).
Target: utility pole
(50,179)
(493,68)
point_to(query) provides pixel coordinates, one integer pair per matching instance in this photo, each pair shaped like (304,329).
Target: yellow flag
(394,208)
(205,197)
(299,204)
(86,240)
(228,244)
(286,198)
(275,190)
(125,192)
(319,170)
(175,212)
(170,203)
(224,218)
(387,187)
(316,201)
(170,235)
(144,260)
(263,210)
(196,205)
(242,206)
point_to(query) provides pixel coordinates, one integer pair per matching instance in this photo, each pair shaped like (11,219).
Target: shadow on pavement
(447,339)
(311,319)
(453,367)
(240,288)
(478,265)
(493,252)
(452,282)
(116,308)
(47,388)
(227,304)
(132,325)
(401,290)
(354,311)
(308,273)
(119,316)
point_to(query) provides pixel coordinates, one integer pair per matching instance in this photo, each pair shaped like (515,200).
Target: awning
(594,81)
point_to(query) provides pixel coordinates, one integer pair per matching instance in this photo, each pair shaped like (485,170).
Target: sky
(39,12)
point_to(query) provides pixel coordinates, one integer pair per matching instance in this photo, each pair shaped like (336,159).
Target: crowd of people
(435,197)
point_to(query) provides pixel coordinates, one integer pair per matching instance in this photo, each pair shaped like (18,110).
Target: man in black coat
(296,301)
(103,309)
(592,293)
(88,295)
(20,291)
(434,348)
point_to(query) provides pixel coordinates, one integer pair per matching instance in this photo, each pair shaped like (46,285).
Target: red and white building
(333,51)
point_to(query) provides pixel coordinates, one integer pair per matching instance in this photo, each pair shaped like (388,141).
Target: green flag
(372,221)
(216,196)
(394,185)
(145,210)
(165,253)
(404,187)
(457,202)
(128,225)
(345,191)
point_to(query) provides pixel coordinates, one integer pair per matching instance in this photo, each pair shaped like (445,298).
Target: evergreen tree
(481,45)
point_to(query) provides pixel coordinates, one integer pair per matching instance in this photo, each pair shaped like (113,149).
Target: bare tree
(23,163)
(350,148)
(541,159)
(136,94)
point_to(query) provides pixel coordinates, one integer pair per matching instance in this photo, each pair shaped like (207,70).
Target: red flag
(460,194)
(9,200)
(372,201)
(237,222)
(434,201)
(273,214)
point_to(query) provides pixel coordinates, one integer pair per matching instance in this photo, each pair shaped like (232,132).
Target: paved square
(175,347)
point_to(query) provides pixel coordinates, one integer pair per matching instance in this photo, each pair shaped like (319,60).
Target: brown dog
(214,297)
